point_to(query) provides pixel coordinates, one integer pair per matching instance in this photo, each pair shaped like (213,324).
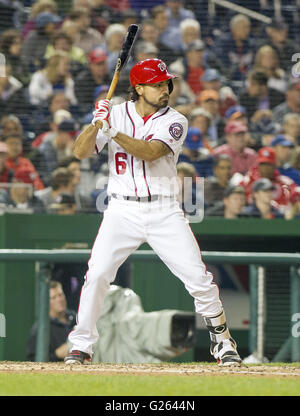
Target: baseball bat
(124,54)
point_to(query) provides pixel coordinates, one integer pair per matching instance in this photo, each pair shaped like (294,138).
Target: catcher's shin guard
(222,347)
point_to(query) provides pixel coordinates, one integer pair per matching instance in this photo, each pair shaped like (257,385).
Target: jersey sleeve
(172,132)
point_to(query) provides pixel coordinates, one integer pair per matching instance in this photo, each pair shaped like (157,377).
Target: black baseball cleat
(225,353)
(78,357)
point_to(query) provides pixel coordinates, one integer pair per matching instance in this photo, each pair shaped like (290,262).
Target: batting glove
(102,113)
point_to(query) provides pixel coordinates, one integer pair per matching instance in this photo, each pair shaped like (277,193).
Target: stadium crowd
(238,84)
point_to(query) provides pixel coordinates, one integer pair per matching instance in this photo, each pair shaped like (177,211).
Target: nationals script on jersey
(131,176)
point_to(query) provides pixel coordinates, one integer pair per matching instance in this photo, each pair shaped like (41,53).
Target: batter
(144,137)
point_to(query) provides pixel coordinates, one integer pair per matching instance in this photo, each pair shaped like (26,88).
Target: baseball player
(144,137)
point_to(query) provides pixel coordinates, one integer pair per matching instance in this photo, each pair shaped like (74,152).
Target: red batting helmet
(150,71)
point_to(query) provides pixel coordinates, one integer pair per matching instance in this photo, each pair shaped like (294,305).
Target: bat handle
(99,124)
(110,93)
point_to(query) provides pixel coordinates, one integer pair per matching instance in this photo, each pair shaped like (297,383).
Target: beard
(161,102)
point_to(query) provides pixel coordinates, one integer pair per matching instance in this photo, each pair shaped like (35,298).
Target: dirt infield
(151,369)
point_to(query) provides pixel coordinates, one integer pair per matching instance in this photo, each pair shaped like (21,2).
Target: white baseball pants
(125,226)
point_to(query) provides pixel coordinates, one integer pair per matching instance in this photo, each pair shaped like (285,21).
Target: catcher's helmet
(150,71)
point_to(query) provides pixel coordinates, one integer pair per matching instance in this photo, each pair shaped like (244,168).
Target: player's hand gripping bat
(121,62)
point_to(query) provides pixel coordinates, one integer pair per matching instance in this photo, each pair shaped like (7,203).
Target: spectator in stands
(114,38)
(214,186)
(5,173)
(102,15)
(10,124)
(55,76)
(190,31)
(87,80)
(201,119)
(177,12)
(283,148)
(58,147)
(38,7)
(62,320)
(277,32)
(266,59)
(211,80)
(84,202)
(266,168)
(231,206)
(291,127)
(243,157)
(11,46)
(12,93)
(122,5)
(61,41)
(35,44)
(87,38)
(12,13)
(73,165)
(62,182)
(150,33)
(58,117)
(227,98)
(129,17)
(263,205)
(64,205)
(20,193)
(293,212)
(145,50)
(169,36)
(236,113)
(209,101)
(195,66)
(258,96)
(236,48)
(291,104)
(195,153)
(263,128)
(295,159)
(15,161)
(43,116)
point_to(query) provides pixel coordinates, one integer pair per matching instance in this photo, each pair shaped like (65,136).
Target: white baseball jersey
(131,176)
(128,223)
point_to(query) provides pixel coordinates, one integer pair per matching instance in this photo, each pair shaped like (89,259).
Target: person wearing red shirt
(5,174)
(243,158)
(195,68)
(266,168)
(15,161)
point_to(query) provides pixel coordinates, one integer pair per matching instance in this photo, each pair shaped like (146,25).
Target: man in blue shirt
(195,153)
(263,205)
(283,148)
(177,13)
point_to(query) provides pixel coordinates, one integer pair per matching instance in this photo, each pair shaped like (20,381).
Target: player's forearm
(139,148)
(85,143)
